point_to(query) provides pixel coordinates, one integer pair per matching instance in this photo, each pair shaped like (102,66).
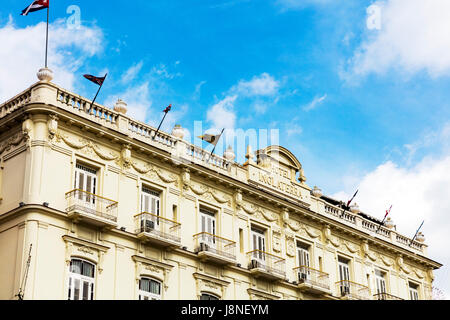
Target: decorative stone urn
(45,74)
(229,154)
(316,192)
(389,223)
(354,208)
(178,131)
(120,106)
(420,237)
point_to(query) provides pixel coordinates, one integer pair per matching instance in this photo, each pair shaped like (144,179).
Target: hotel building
(94,205)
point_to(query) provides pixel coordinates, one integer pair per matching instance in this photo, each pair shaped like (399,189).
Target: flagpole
(416,233)
(98,91)
(159,127)
(46,38)
(214,149)
(382,222)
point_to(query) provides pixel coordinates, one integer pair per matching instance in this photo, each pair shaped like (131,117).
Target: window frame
(82,280)
(148,294)
(259,235)
(380,280)
(210,295)
(208,225)
(413,289)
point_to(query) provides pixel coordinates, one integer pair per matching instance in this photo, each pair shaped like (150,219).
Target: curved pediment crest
(279,156)
(283,155)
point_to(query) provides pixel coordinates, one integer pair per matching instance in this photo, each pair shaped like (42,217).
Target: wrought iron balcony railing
(268,262)
(385,296)
(151,225)
(86,203)
(353,290)
(207,242)
(313,277)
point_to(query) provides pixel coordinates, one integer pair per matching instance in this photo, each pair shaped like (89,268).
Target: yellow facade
(104,205)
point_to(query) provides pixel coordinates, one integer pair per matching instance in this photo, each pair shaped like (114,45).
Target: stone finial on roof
(120,106)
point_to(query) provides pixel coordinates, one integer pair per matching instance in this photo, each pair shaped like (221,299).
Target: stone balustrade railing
(15,103)
(372,228)
(109,118)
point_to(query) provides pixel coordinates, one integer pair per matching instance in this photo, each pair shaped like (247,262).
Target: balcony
(349,290)
(91,208)
(385,296)
(162,232)
(215,249)
(313,281)
(267,266)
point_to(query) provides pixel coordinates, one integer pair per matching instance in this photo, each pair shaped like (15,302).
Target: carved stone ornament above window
(84,249)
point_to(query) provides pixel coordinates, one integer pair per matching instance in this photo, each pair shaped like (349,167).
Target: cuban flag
(36,6)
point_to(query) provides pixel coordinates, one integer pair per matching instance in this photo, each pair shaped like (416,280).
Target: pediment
(280,155)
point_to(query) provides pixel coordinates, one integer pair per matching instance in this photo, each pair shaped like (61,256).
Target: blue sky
(348,100)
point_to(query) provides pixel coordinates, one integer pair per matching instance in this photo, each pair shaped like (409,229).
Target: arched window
(81,280)
(149,289)
(207,296)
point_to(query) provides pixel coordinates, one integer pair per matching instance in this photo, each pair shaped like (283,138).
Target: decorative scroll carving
(154,172)
(329,238)
(252,209)
(27,129)
(52,125)
(402,266)
(208,193)
(387,261)
(186,179)
(290,244)
(366,251)
(419,274)
(81,144)
(126,156)
(351,248)
(297,226)
(276,237)
(431,274)
(238,199)
(15,140)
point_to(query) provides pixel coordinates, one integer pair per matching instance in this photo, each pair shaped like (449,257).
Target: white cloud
(314,103)
(23,49)
(198,89)
(162,72)
(263,85)
(132,72)
(414,37)
(417,193)
(222,114)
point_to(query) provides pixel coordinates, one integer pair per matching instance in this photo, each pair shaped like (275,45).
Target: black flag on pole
(166,111)
(98,81)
